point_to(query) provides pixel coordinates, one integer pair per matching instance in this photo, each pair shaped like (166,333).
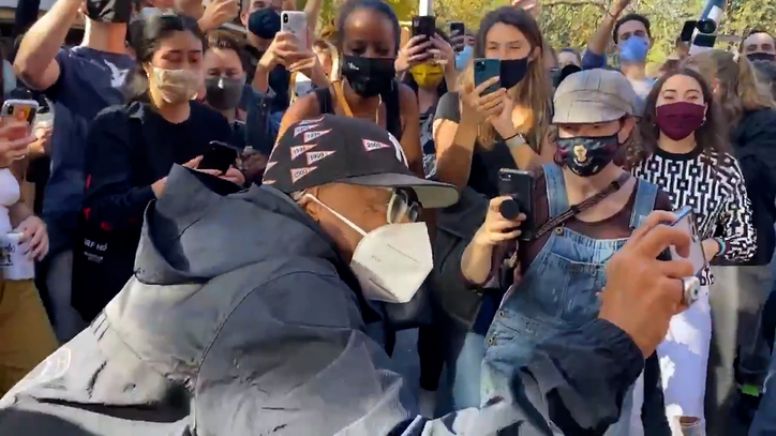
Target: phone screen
(686,222)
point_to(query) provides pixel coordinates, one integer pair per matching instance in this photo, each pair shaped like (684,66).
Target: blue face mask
(634,49)
(463,57)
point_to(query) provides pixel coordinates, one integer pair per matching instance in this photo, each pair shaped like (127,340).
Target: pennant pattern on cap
(267,182)
(298,173)
(298,150)
(310,121)
(315,156)
(302,129)
(371,145)
(309,136)
(269,165)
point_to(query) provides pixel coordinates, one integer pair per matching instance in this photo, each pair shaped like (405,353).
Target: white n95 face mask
(391,261)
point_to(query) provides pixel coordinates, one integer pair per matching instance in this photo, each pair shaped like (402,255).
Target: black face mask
(109,11)
(368,76)
(264,23)
(513,71)
(223,93)
(761,57)
(586,156)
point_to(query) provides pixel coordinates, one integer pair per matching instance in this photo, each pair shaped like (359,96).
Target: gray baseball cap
(594,96)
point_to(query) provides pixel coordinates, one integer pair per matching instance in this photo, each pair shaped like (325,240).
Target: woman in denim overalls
(564,268)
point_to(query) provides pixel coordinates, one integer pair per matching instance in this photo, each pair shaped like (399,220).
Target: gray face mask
(223,93)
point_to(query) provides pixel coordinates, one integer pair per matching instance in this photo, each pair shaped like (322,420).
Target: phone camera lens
(285,18)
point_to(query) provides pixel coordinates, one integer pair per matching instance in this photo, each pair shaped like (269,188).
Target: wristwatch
(515,141)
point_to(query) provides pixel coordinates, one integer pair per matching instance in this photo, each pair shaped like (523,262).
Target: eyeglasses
(403,204)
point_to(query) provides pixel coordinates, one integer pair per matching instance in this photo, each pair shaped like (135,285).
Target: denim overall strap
(557,199)
(646,194)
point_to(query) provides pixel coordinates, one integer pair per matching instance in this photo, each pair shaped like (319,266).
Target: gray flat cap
(594,96)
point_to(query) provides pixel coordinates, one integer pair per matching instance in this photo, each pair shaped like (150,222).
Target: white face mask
(391,261)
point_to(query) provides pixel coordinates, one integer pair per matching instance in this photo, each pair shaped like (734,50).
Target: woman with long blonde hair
(476,132)
(740,288)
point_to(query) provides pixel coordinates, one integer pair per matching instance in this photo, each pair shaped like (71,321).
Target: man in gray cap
(249,312)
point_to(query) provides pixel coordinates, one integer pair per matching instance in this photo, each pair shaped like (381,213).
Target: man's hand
(643,293)
(531,6)
(218,13)
(618,6)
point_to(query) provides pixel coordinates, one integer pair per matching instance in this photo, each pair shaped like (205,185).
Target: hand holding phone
(424,26)
(457,35)
(219,157)
(295,22)
(685,221)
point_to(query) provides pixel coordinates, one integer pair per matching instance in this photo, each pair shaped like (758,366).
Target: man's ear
(628,124)
(312,208)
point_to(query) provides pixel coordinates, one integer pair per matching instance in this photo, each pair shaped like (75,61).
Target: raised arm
(595,55)
(35,61)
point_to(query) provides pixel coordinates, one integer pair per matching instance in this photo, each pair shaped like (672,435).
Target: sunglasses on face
(402,204)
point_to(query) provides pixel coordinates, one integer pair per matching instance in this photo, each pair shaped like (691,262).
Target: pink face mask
(679,120)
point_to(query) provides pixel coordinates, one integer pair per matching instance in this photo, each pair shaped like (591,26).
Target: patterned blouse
(713,186)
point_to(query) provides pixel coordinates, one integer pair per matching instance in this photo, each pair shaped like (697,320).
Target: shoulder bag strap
(581,207)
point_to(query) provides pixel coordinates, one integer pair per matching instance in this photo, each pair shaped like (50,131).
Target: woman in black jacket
(130,150)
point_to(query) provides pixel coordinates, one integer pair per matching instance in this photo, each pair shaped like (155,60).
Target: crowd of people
(217,223)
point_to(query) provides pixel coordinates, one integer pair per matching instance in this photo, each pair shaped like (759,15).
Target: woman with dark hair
(225,74)
(477,133)
(368,36)
(130,150)
(684,152)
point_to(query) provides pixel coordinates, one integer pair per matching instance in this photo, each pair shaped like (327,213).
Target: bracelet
(722,246)
(515,140)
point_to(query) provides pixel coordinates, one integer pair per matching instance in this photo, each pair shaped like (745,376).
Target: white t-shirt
(9,195)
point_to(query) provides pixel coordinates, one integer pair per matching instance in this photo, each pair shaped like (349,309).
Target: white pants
(684,356)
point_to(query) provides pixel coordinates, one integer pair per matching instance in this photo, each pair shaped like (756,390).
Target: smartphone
(21,110)
(685,220)
(424,25)
(485,69)
(458,29)
(219,157)
(295,22)
(520,186)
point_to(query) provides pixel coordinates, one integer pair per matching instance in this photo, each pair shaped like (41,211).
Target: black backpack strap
(325,103)
(393,110)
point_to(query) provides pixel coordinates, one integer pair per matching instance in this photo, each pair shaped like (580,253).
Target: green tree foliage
(570,23)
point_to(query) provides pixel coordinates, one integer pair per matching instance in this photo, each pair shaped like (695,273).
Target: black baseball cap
(332,148)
